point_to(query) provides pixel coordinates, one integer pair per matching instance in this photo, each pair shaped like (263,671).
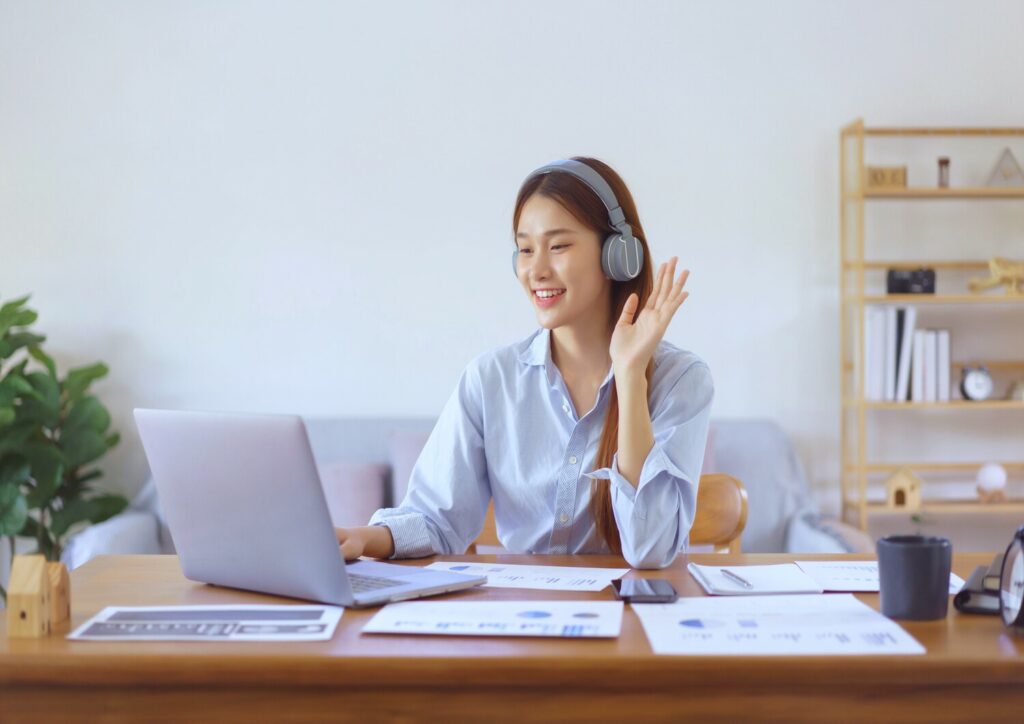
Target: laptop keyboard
(362,584)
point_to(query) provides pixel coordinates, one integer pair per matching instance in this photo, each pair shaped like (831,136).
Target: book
(779,578)
(917,367)
(942,360)
(973,598)
(995,570)
(889,389)
(874,354)
(906,350)
(930,365)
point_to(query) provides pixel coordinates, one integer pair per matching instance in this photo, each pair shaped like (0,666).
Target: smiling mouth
(545,294)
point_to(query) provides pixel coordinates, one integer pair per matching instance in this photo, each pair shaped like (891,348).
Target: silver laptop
(245,508)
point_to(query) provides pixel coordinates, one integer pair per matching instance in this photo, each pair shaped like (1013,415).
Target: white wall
(305,206)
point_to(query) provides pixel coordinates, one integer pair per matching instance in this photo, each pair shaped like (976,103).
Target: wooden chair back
(720,518)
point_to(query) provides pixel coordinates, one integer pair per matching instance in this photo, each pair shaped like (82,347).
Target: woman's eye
(560,246)
(524,251)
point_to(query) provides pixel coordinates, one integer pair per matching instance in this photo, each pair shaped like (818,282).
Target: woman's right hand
(374,541)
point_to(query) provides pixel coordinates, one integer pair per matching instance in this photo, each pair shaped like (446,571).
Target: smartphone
(644,590)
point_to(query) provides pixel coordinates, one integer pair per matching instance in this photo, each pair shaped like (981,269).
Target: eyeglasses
(1011,582)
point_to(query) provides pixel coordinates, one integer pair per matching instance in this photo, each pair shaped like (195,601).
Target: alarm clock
(1011,582)
(976,383)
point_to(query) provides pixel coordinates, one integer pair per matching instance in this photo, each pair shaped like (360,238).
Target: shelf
(912,265)
(950,506)
(938,299)
(951,405)
(925,467)
(947,131)
(925,192)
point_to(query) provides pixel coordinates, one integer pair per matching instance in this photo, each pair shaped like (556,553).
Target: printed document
(859,576)
(573,619)
(725,580)
(551,578)
(830,624)
(210,623)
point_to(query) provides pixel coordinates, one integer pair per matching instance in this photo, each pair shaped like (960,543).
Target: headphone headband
(622,256)
(597,184)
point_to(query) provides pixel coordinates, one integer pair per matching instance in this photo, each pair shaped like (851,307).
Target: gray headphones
(622,256)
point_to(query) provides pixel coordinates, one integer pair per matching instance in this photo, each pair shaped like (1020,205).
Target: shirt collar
(536,351)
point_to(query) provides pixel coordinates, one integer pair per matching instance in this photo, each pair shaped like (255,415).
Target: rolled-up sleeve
(444,508)
(654,518)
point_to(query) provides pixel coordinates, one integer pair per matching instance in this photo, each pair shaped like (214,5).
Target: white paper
(572,619)
(765,579)
(550,578)
(859,576)
(832,624)
(210,623)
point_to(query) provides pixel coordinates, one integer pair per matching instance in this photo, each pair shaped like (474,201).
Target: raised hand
(634,340)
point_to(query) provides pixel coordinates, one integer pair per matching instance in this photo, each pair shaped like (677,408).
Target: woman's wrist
(377,541)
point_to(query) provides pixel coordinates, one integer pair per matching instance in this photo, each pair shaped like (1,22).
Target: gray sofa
(365,463)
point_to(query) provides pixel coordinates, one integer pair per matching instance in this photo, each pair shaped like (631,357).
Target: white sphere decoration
(991,476)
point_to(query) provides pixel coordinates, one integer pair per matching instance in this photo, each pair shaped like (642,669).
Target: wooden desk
(974,669)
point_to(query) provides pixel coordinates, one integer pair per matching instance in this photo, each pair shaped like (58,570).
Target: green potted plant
(52,433)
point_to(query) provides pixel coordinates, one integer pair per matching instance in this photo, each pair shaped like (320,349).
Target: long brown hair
(579,200)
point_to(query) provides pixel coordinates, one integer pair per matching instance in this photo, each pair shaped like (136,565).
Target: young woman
(589,434)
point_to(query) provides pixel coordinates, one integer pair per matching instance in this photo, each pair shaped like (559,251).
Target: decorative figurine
(991,483)
(943,173)
(1007,171)
(1001,271)
(903,490)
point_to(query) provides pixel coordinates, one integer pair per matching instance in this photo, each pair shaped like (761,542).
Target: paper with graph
(800,625)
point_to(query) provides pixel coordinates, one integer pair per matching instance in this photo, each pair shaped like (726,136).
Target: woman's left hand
(634,340)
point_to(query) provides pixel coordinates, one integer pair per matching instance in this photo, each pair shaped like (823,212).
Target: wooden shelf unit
(855,467)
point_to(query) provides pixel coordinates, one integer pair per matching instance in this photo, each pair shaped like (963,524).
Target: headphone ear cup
(615,261)
(515,263)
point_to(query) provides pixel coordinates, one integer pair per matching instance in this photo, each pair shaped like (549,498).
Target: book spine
(917,362)
(930,365)
(943,363)
(906,350)
(890,354)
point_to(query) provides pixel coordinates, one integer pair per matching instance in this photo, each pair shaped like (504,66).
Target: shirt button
(564,518)
(572,460)
(565,408)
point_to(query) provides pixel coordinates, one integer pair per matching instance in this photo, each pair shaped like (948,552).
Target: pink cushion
(404,451)
(353,491)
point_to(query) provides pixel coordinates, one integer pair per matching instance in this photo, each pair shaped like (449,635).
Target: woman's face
(559,264)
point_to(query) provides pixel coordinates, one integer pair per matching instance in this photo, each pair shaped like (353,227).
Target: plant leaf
(9,314)
(79,379)
(94,510)
(48,470)
(13,510)
(16,341)
(15,470)
(87,413)
(46,409)
(40,356)
(81,446)
(6,416)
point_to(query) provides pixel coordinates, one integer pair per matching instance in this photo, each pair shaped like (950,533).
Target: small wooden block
(887,177)
(28,598)
(60,593)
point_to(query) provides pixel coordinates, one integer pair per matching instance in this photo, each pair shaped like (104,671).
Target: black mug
(913,576)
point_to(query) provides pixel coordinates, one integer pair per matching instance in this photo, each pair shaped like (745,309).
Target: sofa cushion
(404,450)
(353,491)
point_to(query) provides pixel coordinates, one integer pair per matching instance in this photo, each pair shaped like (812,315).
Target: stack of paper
(772,625)
(550,578)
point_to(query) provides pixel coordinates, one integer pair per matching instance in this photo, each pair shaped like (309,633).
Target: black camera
(910,281)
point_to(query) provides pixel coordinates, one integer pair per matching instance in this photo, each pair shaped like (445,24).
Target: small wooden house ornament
(38,597)
(903,490)
(1007,171)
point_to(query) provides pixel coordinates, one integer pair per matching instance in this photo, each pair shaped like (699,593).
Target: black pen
(738,579)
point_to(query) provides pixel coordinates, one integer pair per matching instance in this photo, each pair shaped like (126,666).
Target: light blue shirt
(510,431)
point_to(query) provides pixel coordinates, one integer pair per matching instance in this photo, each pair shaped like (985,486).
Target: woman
(589,434)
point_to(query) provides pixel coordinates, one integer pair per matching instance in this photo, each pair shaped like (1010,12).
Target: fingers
(666,286)
(629,309)
(351,549)
(657,288)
